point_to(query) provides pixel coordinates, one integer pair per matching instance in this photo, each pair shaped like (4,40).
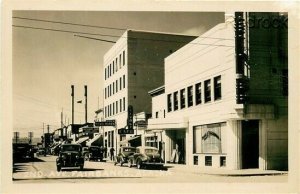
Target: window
(196,160)
(285,82)
(169,102)
(217,88)
(198,93)
(105,73)
(113,108)
(223,161)
(156,114)
(207,138)
(113,88)
(182,98)
(207,91)
(123,81)
(190,96)
(123,58)
(105,112)
(120,105)
(116,64)
(117,107)
(113,67)
(105,93)
(175,101)
(208,161)
(110,110)
(110,90)
(120,83)
(124,103)
(116,86)
(109,70)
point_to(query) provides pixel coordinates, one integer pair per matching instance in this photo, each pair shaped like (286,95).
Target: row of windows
(179,97)
(113,88)
(114,108)
(116,64)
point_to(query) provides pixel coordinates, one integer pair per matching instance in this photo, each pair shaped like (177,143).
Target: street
(43,170)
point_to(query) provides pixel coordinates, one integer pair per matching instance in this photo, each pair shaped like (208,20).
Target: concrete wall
(159,104)
(203,59)
(268,58)
(146,54)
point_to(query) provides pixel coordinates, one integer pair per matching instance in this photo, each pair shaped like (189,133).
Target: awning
(89,143)
(81,140)
(133,141)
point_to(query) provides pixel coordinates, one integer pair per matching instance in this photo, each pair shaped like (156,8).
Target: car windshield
(70,148)
(151,151)
(128,149)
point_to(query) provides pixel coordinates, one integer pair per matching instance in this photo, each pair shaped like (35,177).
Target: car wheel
(58,168)
(129,163)
(139,164)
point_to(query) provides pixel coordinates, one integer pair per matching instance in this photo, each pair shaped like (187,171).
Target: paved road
(43,169)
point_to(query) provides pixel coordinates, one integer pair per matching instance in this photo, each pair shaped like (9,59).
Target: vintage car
(85,153)
(70,155)
(95,153)
(145,156)
(41,152)
(123,154)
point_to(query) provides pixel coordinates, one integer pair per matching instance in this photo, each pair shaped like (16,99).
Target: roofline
(156,90)
(158,32)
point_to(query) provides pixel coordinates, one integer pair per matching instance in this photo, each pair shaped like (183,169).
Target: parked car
(95,153)
(123,154)
(85,152)
(70,155)
(145,156)
(23,150)
(41,152)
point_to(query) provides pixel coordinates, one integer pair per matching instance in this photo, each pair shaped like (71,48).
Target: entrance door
(250,144)
(181,148)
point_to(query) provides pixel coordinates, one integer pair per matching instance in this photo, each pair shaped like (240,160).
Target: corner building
(132,67)
(221,112)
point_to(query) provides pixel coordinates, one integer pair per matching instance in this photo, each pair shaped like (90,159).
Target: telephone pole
(85,94)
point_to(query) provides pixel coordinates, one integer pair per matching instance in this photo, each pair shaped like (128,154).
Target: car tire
(139,164)
(129,164)
(58,168)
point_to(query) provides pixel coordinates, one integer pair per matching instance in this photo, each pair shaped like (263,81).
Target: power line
(94,38)
(69,23)
(114,36)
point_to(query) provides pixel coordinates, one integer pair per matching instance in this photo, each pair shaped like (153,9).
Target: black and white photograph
(150,99)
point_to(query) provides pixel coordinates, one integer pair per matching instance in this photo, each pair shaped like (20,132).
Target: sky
(46,63)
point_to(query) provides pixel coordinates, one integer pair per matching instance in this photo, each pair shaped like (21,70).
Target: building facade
(132,67)
(226,97)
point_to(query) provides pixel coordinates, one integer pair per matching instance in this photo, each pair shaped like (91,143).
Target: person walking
(111,151)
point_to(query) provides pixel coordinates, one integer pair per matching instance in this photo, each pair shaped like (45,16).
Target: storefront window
(207,138)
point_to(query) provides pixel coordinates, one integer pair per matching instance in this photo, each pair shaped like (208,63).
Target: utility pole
(72,94)
(48,128)
(44,135)
(85,94)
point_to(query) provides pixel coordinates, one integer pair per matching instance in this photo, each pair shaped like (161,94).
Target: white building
(198,112)
(132,67)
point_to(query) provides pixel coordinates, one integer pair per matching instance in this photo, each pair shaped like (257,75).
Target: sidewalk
(222,171)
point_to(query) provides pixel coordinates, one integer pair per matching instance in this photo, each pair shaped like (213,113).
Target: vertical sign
(130,117)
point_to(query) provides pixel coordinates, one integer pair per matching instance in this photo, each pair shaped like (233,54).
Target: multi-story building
(132,67)
(224,102)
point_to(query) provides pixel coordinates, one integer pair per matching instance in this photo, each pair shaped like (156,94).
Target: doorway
(250,144)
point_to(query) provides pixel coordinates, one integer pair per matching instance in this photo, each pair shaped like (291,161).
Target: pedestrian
(111,151)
